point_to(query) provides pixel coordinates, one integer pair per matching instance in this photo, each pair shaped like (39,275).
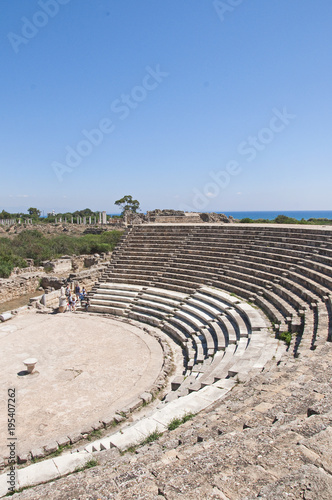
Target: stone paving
(88,368)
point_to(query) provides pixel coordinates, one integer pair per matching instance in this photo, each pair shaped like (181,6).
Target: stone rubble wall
(61,228)
(16,286)
(84,269)
(59,266)
(176,217)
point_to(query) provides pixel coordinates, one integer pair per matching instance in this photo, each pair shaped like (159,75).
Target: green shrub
(283,219)
(176,422)
(286,337)
(91,463)
(8,260)
(5,269)
(96,433)
(34,245)
(152,437)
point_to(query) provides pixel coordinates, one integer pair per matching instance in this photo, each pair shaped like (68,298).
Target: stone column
(99,217)
(104,218)
(89,220)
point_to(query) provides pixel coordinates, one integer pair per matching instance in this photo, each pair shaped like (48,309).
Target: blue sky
(185,104)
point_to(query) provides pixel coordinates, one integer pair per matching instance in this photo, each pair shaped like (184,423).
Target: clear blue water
(297,214)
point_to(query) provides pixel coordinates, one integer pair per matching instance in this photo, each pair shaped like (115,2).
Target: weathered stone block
(37,453)
(74,438)
(97,425)
(22,459)
(135,405)
(107,420)
(146,397)
(119,418)
(51,447)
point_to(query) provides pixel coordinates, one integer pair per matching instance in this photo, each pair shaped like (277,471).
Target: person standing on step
(77,290)
(70,302)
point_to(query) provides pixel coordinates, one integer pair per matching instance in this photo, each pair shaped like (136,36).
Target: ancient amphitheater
(222,297)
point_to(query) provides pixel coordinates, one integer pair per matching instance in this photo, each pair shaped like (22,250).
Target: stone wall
(18,285)
(58,265)
(61,228)
(84,269)
(176,217)
(86,278)
(49,299)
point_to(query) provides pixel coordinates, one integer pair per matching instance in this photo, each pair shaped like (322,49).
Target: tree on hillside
(5,215)
(127,203)
(87,212)
(284,219)
(34,212)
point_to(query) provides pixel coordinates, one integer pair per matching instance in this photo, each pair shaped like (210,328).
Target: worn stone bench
(300,286)
(239,284)
(220,334)
(285,271)
(164,293)
(117,311)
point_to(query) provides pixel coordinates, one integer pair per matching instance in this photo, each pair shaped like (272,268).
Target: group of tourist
(78,298)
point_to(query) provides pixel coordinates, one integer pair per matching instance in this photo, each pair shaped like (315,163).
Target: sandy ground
(88,367)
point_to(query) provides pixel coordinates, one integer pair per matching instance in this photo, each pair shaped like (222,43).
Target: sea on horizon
(270,215)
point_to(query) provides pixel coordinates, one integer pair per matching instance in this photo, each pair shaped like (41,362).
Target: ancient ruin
(244,314)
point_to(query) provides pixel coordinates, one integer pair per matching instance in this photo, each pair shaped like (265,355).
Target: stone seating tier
(214,237)
(205,257)
(237,280)
(201,330)
(285,270)
(304,278)
(262,281)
